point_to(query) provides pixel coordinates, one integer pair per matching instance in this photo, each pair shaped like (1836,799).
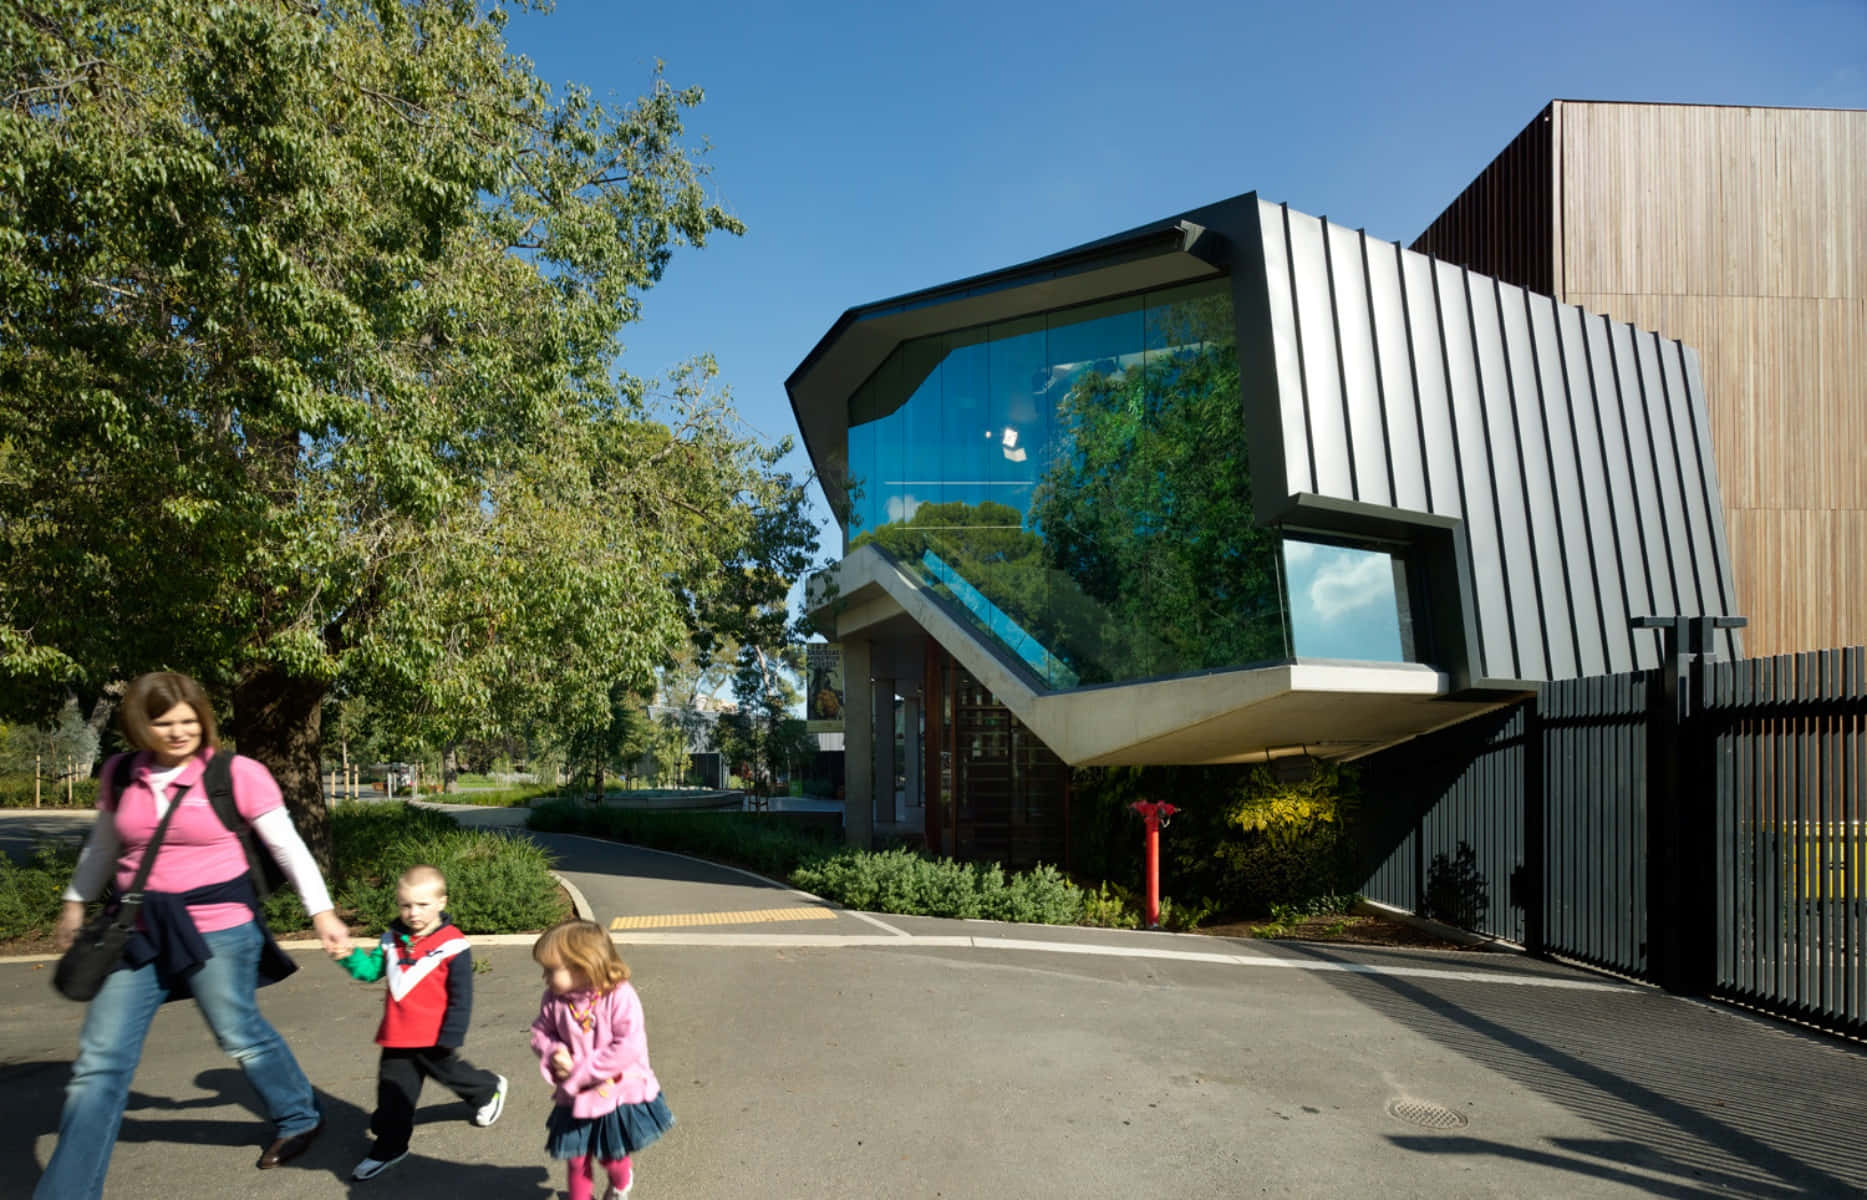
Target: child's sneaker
(628,1183)
(372,1166)
(489,1112)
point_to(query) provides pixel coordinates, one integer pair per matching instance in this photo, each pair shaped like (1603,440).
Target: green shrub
(505,797)
(16,792)
(901,881)
(1110,906)
(495,884)
(31,893)
(1246,837)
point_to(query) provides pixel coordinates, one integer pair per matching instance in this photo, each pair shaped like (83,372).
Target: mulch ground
(1351,930)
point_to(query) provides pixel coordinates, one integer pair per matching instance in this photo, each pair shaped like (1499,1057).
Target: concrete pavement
(880,1056)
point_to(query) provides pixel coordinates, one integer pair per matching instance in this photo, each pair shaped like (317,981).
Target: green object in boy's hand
(364,965)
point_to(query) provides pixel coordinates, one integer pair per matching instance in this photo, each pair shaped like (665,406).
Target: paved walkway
(813,1052)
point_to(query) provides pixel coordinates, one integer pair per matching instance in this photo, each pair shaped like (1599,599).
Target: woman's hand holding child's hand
(561,1064)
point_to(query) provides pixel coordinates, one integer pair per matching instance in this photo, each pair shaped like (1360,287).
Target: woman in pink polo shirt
(198,934)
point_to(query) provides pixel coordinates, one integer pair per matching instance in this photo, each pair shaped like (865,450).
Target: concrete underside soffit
(1326,710)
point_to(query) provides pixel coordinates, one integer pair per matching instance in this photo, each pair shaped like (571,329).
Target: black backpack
(217,781)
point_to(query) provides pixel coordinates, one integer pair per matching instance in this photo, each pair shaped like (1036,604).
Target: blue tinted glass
(1076,486)
(1344,603)
(1018,380)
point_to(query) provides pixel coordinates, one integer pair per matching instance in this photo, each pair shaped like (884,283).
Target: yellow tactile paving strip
(748,917)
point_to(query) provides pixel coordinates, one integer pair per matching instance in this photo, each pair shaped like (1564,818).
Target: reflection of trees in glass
(1147,507)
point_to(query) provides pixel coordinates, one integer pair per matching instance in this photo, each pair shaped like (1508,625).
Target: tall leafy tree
(307,371)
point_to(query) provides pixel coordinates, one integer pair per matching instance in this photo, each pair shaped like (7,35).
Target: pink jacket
(608,1045)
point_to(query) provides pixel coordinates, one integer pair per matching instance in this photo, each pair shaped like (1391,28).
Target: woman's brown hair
(585,948)
(151,695)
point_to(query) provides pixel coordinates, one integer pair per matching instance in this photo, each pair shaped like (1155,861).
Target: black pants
(398,1086)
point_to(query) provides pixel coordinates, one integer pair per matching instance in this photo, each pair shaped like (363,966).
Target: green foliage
(16,792)
(1456,890)
(1111,907)
(500,797)
(902,881)
(751,840)
(308,374)
(31,893)
(1245,837)
(495,884)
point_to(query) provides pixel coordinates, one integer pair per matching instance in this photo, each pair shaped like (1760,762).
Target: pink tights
(582,1182)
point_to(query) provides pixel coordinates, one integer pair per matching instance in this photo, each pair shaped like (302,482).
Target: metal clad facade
(1572,448)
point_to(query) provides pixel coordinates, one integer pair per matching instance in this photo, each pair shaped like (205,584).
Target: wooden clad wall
(1503,224)
(1743,232)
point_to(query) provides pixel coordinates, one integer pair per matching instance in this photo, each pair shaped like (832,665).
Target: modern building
(1235,485)
(1242,484)
(1741,231)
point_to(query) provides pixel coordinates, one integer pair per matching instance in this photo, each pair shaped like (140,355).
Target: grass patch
(516,796)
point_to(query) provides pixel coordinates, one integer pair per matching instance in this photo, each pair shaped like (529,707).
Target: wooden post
(69,769)
(37,774)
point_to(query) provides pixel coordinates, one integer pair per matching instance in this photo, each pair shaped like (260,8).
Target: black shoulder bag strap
(131,902)
(217,781)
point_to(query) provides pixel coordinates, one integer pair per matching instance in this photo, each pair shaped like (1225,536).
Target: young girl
(593,1050)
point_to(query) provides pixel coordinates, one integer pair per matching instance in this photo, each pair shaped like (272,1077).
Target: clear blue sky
(877,148)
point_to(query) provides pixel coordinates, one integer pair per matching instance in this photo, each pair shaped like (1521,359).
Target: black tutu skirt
(616,1134)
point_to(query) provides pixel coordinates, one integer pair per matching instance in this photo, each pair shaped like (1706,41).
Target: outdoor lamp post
(1156,815)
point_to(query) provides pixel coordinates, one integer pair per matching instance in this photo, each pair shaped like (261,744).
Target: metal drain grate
(1426,1115)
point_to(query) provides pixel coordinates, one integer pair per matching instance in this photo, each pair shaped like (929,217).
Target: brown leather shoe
(288,1148)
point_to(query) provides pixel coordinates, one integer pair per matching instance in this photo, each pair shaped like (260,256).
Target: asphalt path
(869,1055)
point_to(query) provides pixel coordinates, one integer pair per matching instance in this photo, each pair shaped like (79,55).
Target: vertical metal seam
(1659,476)
(1523,474)
(1497,511)
(1296,320)
(1341,366)
(1661,346)
(1458,460)
(1380,380)
(1413,376)
(1627,451)
(1587,515)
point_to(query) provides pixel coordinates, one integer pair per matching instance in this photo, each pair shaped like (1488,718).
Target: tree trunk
(278,720)
(450,766)
(102,710)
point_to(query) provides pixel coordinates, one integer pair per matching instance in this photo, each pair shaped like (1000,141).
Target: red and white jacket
(429,998)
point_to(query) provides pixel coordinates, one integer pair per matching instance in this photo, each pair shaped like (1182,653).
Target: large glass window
(1077,484)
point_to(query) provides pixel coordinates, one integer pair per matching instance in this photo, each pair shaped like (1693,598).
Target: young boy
(425,1012)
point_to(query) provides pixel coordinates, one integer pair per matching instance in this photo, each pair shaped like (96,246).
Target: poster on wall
(823,698)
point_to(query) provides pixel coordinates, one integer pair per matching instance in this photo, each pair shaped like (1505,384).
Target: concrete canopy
(1324,710)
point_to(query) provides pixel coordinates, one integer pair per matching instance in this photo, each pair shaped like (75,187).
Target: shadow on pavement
(1705,1096)
(30,1094)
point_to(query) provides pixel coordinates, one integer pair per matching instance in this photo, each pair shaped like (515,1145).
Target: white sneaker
(613,1194)
(371,1167)
(489,1112)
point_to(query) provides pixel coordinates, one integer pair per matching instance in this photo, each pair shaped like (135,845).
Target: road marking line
(746,917)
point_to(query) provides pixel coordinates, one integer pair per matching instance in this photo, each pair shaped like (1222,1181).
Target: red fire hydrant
(1155,814)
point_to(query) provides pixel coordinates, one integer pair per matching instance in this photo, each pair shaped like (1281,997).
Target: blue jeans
(112,1044)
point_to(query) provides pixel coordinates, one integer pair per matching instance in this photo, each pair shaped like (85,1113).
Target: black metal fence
(1701,825)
